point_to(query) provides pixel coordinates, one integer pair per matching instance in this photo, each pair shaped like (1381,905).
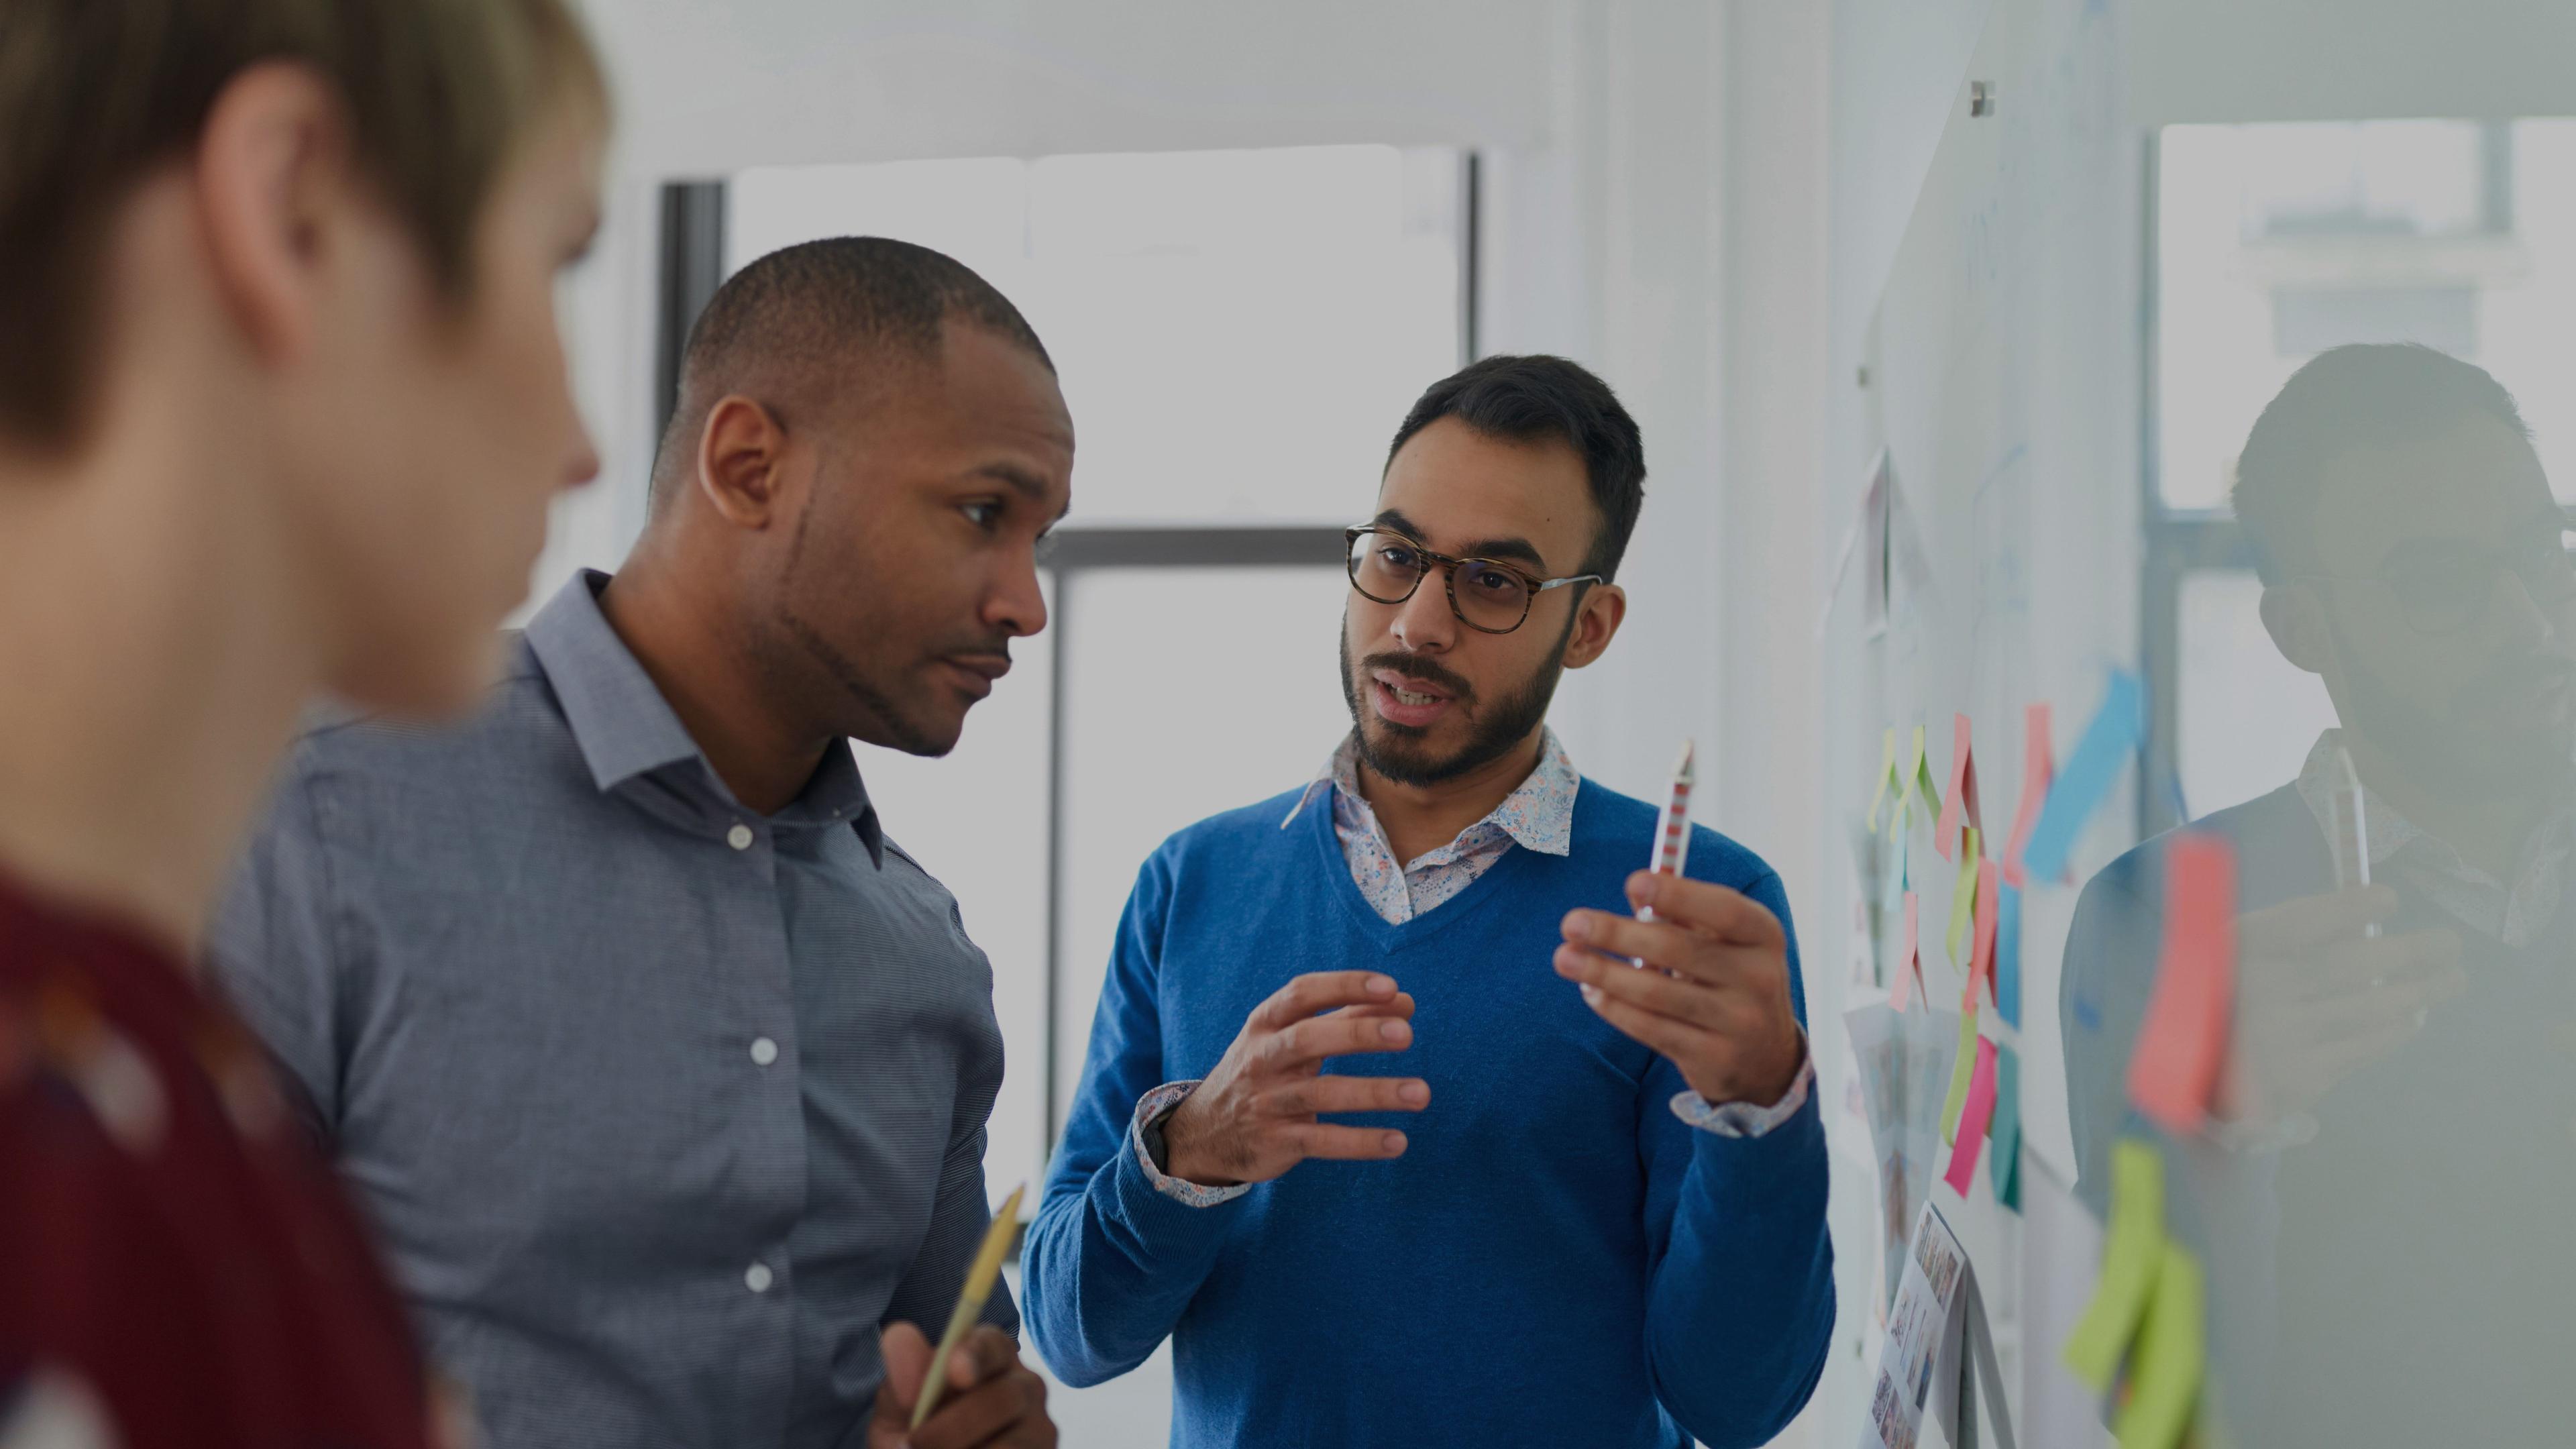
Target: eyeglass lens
(1386,567)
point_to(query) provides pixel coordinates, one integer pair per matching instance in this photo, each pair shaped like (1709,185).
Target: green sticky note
(1963,896)
(1962,1066)
(2172,1347)
(1886,778)
(2003,1161)
(2131,1257)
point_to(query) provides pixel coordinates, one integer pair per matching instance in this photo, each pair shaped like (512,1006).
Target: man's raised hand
(1254,1117)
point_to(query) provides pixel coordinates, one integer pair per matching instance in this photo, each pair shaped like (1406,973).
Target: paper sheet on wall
(1904,1062)
(1937,1324)
(2047,913)
(1867,545)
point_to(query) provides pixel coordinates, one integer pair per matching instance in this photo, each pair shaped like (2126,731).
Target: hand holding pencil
(972,1390)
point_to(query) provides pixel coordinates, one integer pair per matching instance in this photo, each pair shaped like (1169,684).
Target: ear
(742,462)
(2296,619)
(273,190)
(1595,623)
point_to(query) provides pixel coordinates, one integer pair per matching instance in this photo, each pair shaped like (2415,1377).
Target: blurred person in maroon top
(282,408)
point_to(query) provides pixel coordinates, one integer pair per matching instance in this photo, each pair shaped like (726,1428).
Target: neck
(2488,830)
(1419,818)
(687,643)
(158,658)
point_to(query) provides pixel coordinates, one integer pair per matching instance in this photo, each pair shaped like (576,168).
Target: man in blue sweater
(1583,1206)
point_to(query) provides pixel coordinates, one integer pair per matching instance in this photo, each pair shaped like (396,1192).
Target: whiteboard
(2001,376)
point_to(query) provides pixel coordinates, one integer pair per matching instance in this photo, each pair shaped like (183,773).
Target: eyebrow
(1028,485)
(1492,548)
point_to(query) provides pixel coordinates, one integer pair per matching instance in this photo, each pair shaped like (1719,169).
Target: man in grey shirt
(663,1072)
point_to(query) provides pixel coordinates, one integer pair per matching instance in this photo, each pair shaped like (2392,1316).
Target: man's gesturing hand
(1254,1116)
(993,1401)
(1713,994)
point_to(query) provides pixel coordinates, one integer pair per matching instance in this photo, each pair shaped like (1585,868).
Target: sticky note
(2087,779)
(1963,896)
(1963,1064)
(1918,776)
(2005,1128)
(2038,767)
(2175,1066)
(1981,952)
(1973,1117)
(2173,1348)
(1960,804)
(1886,776)
(2132,1255)
(2007,962)
(1900,991)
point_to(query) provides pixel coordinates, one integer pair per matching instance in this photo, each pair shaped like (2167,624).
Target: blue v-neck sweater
(1556,1260)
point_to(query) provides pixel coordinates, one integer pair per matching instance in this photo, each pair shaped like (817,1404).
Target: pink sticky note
(1973,1117)
(1901,990)
(1959,802)
(2185,1035)
(2038,769)
(1981,956)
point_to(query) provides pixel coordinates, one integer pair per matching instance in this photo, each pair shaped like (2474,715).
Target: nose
(2527,622)
(1017,605)
(582,465)
(1425,623)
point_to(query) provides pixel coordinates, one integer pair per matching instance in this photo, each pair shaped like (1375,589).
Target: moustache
(1414,666)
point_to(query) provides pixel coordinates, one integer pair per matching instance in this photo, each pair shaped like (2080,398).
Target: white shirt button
(756,1277)
(763,1051)
(739,837)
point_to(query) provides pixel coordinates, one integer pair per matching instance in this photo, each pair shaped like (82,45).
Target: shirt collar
(626,729)
(1538,814)
(2509,908)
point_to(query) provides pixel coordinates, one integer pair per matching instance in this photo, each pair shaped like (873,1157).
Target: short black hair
(1536,398)
(804,323)
(2357,397)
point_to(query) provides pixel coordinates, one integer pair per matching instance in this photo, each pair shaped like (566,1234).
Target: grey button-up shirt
(660,1107)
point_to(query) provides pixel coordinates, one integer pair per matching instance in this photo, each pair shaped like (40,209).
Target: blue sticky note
(2086,780)
(2004,1130)
(2008,955)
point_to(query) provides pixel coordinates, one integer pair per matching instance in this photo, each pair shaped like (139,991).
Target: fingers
(1401,1007)
(1349,1094)
(986,1352)
(1681,998)
(906,1352)
(1008,1408)
(1318,1037)
(1318,991)
(1671,1038)
(2357,964)
(2314,920)
(1726,914)
(1347,1144)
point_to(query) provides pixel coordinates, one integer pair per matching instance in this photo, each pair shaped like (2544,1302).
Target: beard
(1399,753)
(2468,751)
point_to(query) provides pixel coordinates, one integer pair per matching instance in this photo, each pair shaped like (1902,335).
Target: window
(1237,333)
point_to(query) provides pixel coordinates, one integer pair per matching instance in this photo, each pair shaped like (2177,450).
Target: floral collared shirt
(1538,815)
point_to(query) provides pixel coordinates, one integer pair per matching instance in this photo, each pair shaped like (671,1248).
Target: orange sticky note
(1981,956)
(1901,990)
(1973,1117)
(2038,770)
(2185,1036)
(1961,799)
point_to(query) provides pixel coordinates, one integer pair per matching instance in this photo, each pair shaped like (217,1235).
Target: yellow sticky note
(2173,1345)
(1886,776)
(1962,1067)
(1963,896)
(2131,1258)
(1920,773)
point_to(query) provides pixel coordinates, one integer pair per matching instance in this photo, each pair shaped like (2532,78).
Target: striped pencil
(1672,828)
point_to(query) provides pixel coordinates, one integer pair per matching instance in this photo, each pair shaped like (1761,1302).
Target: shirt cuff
(1146,1131)
(1746,1119)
